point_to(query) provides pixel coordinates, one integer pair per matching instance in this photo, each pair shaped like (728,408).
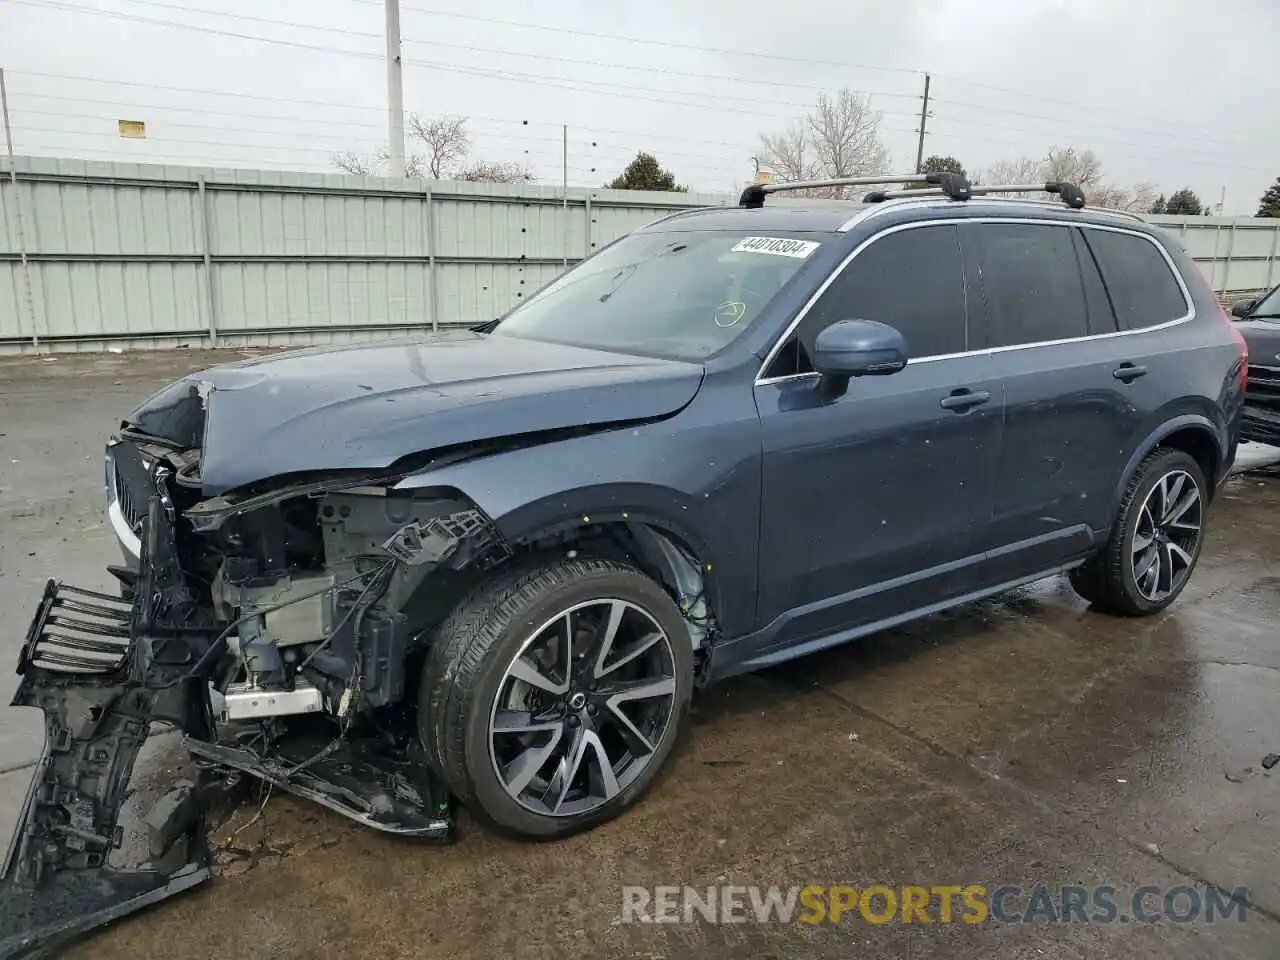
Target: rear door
(1050,328)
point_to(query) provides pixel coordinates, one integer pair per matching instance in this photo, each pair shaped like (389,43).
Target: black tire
(466,670)
(1108,580)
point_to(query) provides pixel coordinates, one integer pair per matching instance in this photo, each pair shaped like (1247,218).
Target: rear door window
(1143,289)
(1102,318)
(1032,283)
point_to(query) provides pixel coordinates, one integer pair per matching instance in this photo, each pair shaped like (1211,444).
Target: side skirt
(726,662)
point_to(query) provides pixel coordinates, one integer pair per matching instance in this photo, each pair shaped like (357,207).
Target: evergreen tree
(937,164)
(645,173)
(1269,205)
(1184,202)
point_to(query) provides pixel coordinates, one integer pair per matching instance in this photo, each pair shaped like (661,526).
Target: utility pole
(395,90)
(17,213)
(924,117)
(564,184)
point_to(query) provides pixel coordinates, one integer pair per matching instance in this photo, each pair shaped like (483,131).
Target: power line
(611,90)
(152,21)
(1128,128)
(1092,108)
(524,25)
(331,104)
(577,130)
(671,45)
(966,136)
(1043,133)
(212,93)
(614,155)
(581,147)
(511,53)
(702,96)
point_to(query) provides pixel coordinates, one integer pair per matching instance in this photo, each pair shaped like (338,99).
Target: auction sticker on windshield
(778,246)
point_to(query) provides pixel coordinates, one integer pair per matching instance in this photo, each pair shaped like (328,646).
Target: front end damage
(273,634)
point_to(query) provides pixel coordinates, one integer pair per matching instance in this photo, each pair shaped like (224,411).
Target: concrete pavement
(1018,741)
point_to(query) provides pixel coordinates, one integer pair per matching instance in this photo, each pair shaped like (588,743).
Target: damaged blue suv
(491,568)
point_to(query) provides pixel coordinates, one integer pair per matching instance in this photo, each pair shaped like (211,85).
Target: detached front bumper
(70,867)
(117,679)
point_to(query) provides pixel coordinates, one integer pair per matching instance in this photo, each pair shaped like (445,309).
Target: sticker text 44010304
(778,246)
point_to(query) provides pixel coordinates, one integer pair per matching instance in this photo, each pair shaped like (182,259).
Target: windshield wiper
(1262,316)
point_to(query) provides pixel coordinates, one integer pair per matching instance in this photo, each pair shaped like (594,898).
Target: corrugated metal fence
(162,255)
(145,255)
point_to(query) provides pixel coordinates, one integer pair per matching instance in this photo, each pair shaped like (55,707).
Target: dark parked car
(1260,326)
(493,567)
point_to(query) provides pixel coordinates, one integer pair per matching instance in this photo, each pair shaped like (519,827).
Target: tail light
(1242,347)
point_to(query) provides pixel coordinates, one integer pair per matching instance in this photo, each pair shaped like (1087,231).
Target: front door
(876,504)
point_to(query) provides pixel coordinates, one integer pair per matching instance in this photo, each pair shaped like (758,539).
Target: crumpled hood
(364,407)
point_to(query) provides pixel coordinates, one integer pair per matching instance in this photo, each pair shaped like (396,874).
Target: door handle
(1128,372)
(964,398)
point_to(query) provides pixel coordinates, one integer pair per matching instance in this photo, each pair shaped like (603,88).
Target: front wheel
(553,694)
(1155,542)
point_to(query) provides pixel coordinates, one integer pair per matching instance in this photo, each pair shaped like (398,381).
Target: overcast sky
(1175,92)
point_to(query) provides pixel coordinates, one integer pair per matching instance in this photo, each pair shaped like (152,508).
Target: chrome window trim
(761,380)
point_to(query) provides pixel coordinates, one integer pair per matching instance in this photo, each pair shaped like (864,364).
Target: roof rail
(943,184)
(753,196)
(1071,195)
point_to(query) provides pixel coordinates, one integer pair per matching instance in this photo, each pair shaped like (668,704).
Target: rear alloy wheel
(1156,540)
(1167,537)
(552,697)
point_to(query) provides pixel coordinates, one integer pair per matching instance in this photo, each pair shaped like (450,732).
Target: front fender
(692,477)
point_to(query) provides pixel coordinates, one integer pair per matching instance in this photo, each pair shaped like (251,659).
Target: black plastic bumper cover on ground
(74,863)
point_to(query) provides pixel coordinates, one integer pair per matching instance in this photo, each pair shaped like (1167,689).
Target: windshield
(1268,306)
(682,296)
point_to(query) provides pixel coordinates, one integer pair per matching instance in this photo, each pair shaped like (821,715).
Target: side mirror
(1241,308)
(856,348)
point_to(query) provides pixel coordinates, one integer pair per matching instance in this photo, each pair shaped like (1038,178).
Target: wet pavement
(1022,741)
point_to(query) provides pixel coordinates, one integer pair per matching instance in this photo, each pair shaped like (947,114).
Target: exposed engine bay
(279,631)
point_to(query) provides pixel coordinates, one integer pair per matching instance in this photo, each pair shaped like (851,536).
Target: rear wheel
(553,695)
(1155,542)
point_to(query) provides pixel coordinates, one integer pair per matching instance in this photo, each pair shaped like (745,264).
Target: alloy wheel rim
(1167,536)
(582,708)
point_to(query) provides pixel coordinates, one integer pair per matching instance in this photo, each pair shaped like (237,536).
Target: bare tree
(1139,198)
(1021,170)
(373,166)
(488,171)
(1069,165)
(839,137)
(1081,167)
(445,147)
(445,141)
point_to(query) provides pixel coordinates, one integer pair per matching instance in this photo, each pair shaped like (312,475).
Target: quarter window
(1143,290)
(1032,283)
